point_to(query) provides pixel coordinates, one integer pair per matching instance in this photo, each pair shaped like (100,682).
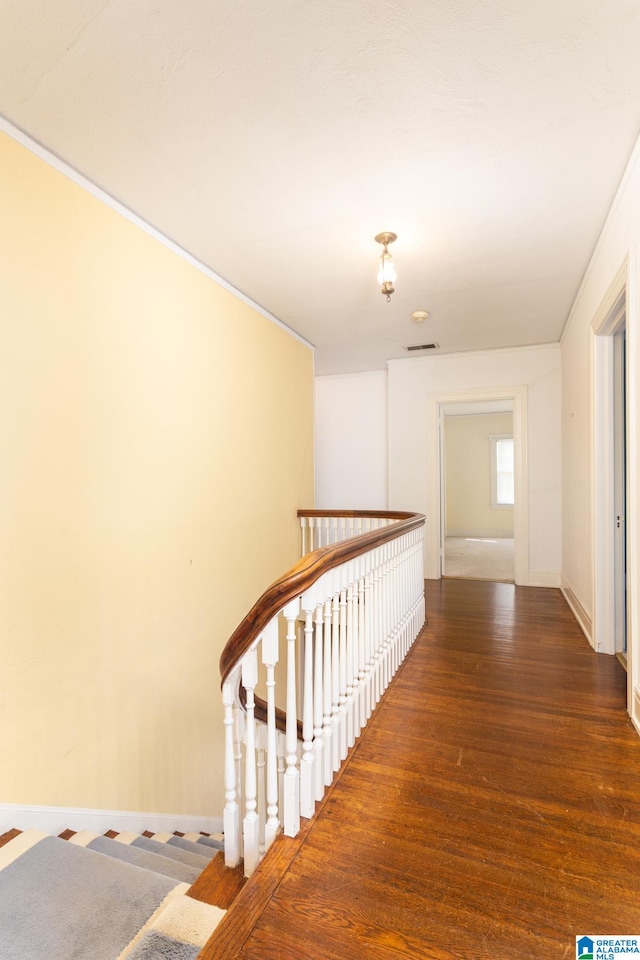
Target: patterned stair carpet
(101,898)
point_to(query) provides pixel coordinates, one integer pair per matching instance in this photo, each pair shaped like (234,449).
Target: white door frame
(435,493)
(617,307)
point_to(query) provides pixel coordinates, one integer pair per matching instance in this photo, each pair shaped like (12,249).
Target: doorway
(615,490)
(436,494)
(611,452)
(479,491)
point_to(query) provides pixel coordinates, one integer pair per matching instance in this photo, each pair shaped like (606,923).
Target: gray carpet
(68,911)
(176,853)
(206,849)
(156,946)
(211,842)
(180,872)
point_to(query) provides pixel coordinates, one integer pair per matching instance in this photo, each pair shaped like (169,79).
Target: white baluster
(251,823)
(385,672)
(377,619)
(291,775)
(238,740)
(362,658)
(351,646)
(318,699)
(356,565)
(327,699)
(335,682)
(399,593)
(270,656)
(307,769)
(281,754)
(303,536)
(342,709)
(368,634)
(231,816)
(261,745)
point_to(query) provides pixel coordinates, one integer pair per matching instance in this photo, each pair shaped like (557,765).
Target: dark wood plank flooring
(490,810)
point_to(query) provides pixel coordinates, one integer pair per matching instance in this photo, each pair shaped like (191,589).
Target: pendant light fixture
(386,272)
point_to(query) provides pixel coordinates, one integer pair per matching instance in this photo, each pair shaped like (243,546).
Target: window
(502,473)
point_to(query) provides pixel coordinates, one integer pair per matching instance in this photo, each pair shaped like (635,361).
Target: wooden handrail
(365,514)
(307,571)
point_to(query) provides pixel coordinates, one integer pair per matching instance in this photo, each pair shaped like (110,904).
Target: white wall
(412,381)
(351,441)
(368,424)
(616,248)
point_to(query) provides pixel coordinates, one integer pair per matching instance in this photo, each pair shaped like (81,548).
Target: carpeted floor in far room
(479,558)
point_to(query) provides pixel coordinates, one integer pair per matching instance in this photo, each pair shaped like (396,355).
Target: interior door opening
(477,503)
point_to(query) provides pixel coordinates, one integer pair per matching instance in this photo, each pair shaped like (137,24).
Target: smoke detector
(419,316)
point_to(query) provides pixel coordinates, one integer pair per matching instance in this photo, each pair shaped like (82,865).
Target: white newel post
(269,659)
(251,826)
(231,817)
(291,797)
(307,771)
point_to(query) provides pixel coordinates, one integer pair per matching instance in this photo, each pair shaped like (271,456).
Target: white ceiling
(273,140)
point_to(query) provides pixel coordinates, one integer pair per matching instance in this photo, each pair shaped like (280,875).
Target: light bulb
(386,270)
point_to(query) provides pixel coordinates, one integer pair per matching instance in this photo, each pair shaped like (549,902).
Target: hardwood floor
(490,810)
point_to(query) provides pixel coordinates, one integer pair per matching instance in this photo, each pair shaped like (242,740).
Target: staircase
(121,896)
(340,621)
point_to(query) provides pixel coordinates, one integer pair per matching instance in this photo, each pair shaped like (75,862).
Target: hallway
(490,810)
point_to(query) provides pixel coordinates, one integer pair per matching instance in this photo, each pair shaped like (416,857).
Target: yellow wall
(156,443)
(468,476)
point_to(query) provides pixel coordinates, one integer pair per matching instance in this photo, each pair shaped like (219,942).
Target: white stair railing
(322,528)
(341,621)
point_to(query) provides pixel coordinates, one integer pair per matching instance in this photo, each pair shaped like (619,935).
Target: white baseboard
(56,819)
(581,615)
(539,578)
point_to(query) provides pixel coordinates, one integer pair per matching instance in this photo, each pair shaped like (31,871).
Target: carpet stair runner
(122,896)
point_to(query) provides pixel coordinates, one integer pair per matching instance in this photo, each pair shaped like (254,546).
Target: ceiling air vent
(421,346)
